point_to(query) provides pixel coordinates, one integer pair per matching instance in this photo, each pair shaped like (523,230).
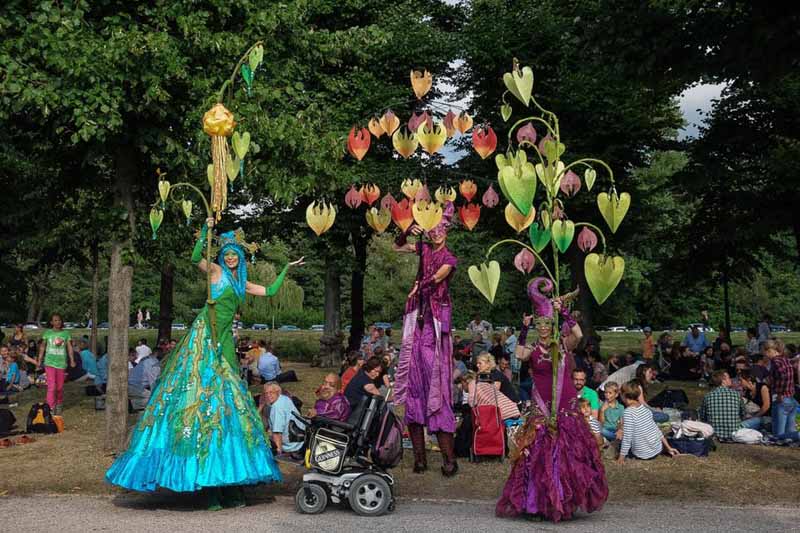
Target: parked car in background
(288,328)
(738,329)
(178,325)
(103,325)
(317,327)
(701,327)
(637,329)
(383,325)
(31,325)
(778,328)
(259,327)
(617,329)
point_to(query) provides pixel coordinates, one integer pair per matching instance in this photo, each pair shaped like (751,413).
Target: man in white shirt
(142,350)
(479,326)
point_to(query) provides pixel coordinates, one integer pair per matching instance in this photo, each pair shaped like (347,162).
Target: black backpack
(673,398)
(7,422)
(40,419)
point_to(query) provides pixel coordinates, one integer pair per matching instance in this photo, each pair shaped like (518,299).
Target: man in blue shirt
(141,380)
(281,412)
(695,341)
(268,365)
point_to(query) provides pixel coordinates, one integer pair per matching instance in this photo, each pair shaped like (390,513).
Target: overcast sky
(695,100)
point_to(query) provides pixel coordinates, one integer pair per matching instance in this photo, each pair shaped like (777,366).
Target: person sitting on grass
(579,380)
(723,408)
(641,438)
(354,363)
(11,383)
(364,382)
(611,412)
(645,375)
(757,395)
(331,403)
(282,411)
(585,408)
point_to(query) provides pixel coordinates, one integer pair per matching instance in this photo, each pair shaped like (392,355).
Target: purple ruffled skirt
(557,474)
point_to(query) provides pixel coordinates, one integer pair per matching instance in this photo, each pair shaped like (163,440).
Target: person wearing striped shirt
(641,438)
(585,407)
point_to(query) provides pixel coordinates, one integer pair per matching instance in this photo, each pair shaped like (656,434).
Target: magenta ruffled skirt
(557,474)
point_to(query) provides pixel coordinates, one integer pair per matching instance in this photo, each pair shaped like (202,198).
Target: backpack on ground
(674,398)
(387,449)
(691,446)
(40,419)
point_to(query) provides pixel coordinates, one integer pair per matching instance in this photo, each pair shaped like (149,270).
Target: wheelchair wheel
(311,499)
(370,495)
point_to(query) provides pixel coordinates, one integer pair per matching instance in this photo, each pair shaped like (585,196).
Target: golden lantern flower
(389,122)
(358,142)
(320,217)
(421,82)
(431,139)
(370,193)
(379,220)
(218,122)
(469,215)
(463,122)
(468,189)
(375,127)
(427,214)
(402,214)
(445,194)
(517,220)
(405,142)
(410,188)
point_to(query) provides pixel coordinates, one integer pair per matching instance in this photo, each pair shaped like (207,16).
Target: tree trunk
(165,305)
(119,302)
(330,344)
(120,281)
(95,294)
(357,290)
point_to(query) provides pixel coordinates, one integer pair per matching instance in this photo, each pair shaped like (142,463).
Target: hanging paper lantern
(445,194)
(468,189)
(490,198)
(558,213)
(353,198)
(375,128)
(449,123)
(186,205)
(423,195)
(524,261)
(517,220)
(156,218)
(405,142)
(484,141)
(527,133)
(358,142)
(219,124)
(370,193)
(431,139)
(469,215)
(427,215)
(379,220)
(570,183)
(389,122)
(402,214)
(320,217)
(463,122)
(421,82)
(587,240)
(410,188)
(420,118)
(388,201)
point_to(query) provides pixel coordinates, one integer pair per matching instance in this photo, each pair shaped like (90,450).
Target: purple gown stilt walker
(557,468)
(423,383)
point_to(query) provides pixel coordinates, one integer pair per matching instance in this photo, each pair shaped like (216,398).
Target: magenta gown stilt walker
(423,383)
(558,469)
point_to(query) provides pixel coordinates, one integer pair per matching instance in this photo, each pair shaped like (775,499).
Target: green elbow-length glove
(197,253)
(273,289)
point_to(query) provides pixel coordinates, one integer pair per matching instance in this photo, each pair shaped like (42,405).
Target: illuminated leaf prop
(410,188)
(505,112)
(375,128)
(256,56)
(570,184)
(613,208)
(388,201)
(589,175)
(524,261)
(450,123)
(468,189)
(520,83)
(527,133)
(603,274)
(163,190)
(563,232)
(484,141)
(445,194)
(587,240)
(420,118)
(539,236)
(389,122)
(210,175)
(517,178)
(156,218)
(423,195)
(486,278)
(186,205)
(218,122)
(241,144)
(463,122)
(370,193)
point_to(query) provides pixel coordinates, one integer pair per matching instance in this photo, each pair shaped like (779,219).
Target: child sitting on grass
(585,407)
(611,413)
(641,438)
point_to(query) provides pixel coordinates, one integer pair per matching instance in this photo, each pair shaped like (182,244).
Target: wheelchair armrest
(330,422)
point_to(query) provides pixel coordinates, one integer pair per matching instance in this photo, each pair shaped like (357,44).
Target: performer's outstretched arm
(272,290)
(401,243)
(197,253)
